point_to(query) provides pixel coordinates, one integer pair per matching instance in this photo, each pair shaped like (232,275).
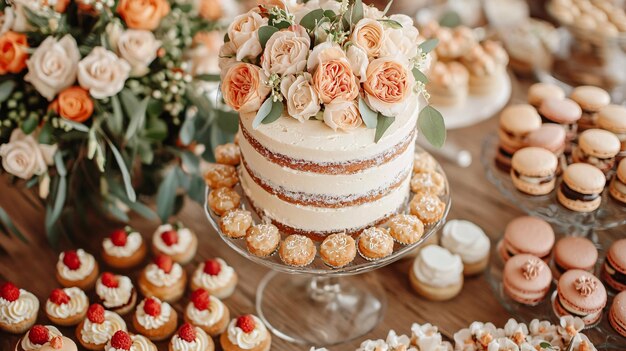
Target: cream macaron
(539,92)
(591,99)
(598,148)
(533,170)
(564,112)
(581,188)
(613,119)
(617,189)
(516,122)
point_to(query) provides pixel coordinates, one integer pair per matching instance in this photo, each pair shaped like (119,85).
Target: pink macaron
(550,137)
(527,235)
(617,314)
(614,269)
(580,294)
(526,279)
(565,112)
(574,253)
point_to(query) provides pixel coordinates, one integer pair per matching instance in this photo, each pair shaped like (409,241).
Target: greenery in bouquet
(115,98)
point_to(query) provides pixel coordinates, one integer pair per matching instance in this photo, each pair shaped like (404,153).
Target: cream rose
(368,34)
(388,85)
(243,33)
(286,51)
(24,157)
(343,115)
(401,40)
(227,57)
(139,48)
(6,20)
(113,31)
(358,61)
(52,67)
(322,53)
(302,100)
(371,12)
(243,87)
(20,21)
(103,73)
(334,81)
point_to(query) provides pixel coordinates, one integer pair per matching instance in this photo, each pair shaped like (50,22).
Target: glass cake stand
(318,305)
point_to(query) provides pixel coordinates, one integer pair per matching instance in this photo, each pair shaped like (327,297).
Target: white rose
(372,12)
(24,157)
(358,61)
(342,115)
(52,67)
(227,57)
(114,30)
(138,47)
(6,20)
(243,33)
(322,53)
(286,51)
(401,40)
(21,23)
(103,73)
(302,100)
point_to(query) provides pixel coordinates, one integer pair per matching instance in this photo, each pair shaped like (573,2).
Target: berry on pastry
(246,333)
(164,279)
(123,340)
(67,307)
(217,277)
(124,248)
(99,326)
(176,241)
(116,292)
(207,312)
(155,319)
(77,268)
(18,309)
(189,337)
(44,337)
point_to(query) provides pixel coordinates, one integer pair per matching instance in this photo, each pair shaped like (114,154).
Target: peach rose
(243,33)
(13,53)
(210,9)
(334,81)
(343,115)
(61,6)
(143,14)
(244,87)
(322,53)
(74,104)
(368,35)
(286,51)
(401,40)
(387,85)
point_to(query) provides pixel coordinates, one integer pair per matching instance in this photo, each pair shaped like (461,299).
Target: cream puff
(164,279)
(176,241)
(246,333)
(77,268)
(124,248)
(189,338)
(116,292)
(155,319)
(124,341)
(207,312)
(217,277)
(18,309)
(99,326)
(67,307)
(45,338)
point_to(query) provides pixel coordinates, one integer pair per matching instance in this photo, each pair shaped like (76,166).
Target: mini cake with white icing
(67,307)
(77,268)
(469,241)
(216,276)
(246,333)
(207,312)
(155,319)
(123,341)
(164,279)
(44,337)
(18,309)
(190,338)
(98,328)
(176,241)
(437,274)
(124,248)
(116,292)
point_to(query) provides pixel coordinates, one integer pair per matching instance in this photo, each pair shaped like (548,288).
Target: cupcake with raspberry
(193,338)
(155,319)
(67,307)
(164,279)
(176,241)
(99,326)
(18,309)
(217,277)
(45,337)
(77,268)
(123,249)
(246,333)
(124,341)
(116,292)
(207,312)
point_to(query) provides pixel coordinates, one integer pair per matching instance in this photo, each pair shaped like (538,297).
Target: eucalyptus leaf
(196,189)
(188,129)
(59,164)
(357,12)
(115,211)
(156,129)
(130,191)
(76,126)
(265,33)
(282,24)
(190,162)
(429,45)
(432,125)
(6,88)
(370,118)
(29,124)
(146,154)
(383,124)
(115,122)
(143,210)
(32,182)
(450,19)
(8,223)
(54,212)
(166,195)
(228,121)
(275,113)
(265,110)
(136,111)
(45,134)
(391,23)
(387,7)
(419,76)
(208,77)
(309,21)
(330,14)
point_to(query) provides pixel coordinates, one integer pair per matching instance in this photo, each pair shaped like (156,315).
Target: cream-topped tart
(123,341)
(176,241)
(67,307)
(124,248)
(44,337)
(216,276)
(164,279)
(246,333)
(77,268)
(18,309)
(116,292)
(155,319)
(190,338)
(207,312)
(99,326)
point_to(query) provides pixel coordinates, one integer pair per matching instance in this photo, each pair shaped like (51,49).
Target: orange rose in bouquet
(74,104)
(143,14)
(13,53)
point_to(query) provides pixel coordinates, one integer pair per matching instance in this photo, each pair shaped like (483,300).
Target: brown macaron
(533,170)
(617,188)
(581,188)
(598,148)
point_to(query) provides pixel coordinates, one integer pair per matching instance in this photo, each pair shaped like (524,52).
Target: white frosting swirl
(115,297)
(153,322)
(27,345)
(438,267)
(245,340)
(77,304)
(184,240)
(100,333)
(87,265)
(208,317)
(200,344)
(133,242)
(157,277)
(13,312)
(465,239)
(139,343)
(208,281)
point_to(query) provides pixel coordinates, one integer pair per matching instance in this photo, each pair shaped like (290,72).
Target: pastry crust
(162,333)
(126,262)
(85,284)
(168,294)
(434,293)
(21,327)
(69,321)
(229,346)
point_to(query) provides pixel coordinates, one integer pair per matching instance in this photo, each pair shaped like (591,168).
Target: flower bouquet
(110,97)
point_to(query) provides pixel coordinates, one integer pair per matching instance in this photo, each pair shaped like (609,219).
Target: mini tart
(375,243)
(406,229)
(124,248)
(236,223)
(222,200)
(338,250)
(297,250)
(189,337)
(424,162)
(216,277)
(124,341)
(436,274)
(262,239)
(18,309)
(246,333)
(217,175)
(427,207)
(67,307)
(155,319)
(228,154)
(99,326)
(207,312)
(77,268)
(176,241)
(164,279)
(44,337)
(430,181)
(116,292)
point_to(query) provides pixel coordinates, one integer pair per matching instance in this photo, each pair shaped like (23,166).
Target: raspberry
(39,335)
(118,237)
(121,340)
(9,291)
(212,267)
(187,332)
(152,307)
(59,297)
(109,280)
(246,323)
(71,260)
(169,237)
(95,313)
(200,299)
(164,262)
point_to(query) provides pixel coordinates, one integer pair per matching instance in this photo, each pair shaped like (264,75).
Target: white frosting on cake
(157,277)
(438,267)
(100,333)
(212,282)
(133,242)
(87,265)
(13,312)
(153,322)
(114,297)
(185,238)
(465,239)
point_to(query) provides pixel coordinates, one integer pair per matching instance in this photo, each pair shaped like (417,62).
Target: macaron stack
(617,314)
(617,189)
(527,235)
(581,294)
(564,112)
(574,253)
(516,122)
(614,269)
(591,99)
(551,137)
(598,148)
(581,187)
(533,170)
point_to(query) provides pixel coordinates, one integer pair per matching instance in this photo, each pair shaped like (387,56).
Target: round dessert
(617,314)
(591,99)
(236,223)
(486,63)
(448,83)
(164,279)
(207,312)
(262,239)
(155,319)
(424,162)
(614,269)
(375,243)
(124,248)
(77,268)
(580,294)
(430,181)
(227,154)
(189,338)
(217,176)
(18,309)
(216,276)
(297,250)
(516,122)
(67,307)
(581,187)
(124,341)
(617,188)
(574,253)
(338,250)
(598,148)
(176,241)
(45,338)
(550,137)
(246,333)
(98,328)
(469,241)
(527,235)
(405,229)
(437,274)
(526,279)
(222,200)
(539,92)
(116,293)
(427,207)
(613,119)
(565,112)
(533,170)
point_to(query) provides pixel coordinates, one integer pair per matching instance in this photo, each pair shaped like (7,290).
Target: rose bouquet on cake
(340,62)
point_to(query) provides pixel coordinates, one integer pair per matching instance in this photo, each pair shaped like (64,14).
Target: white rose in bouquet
(103,73)
(286,51)
(138,47)
(358,61)
(343,115)
(6,20)
(243,33)
(53,65)
(24,157)
(20,22)
(302,100)
(401,40)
